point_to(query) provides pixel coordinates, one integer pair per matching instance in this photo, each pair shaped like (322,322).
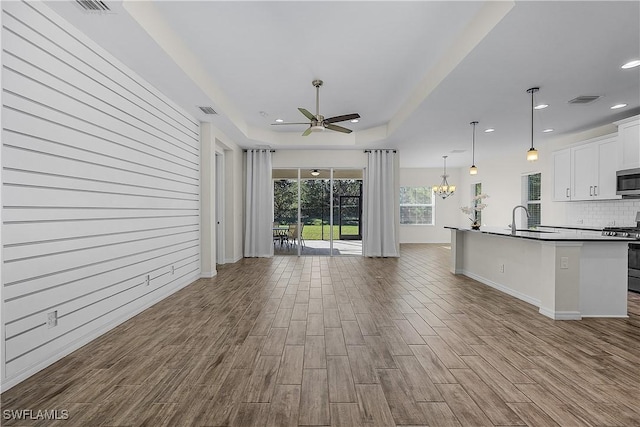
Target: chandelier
(444,190)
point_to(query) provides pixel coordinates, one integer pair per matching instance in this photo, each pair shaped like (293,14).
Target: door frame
(219,207)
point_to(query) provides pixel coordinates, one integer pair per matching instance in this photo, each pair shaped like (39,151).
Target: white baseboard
(233,260)
(560,315)
(502,288)
(208,274)
(608,316)
(12,381)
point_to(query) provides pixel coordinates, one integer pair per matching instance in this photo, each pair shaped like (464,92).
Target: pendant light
(315,172)
(532,154)
(444,190)
(473,170)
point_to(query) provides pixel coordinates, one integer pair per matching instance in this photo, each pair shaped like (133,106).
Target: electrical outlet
(564,262)
(579,221)
(501,268)
(52,319)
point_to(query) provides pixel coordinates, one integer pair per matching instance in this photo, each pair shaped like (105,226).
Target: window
(477,190)
(416,205)
(531,198)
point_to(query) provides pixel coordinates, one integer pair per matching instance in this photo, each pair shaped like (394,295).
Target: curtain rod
(381,149)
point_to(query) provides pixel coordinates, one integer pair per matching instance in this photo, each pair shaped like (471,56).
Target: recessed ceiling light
(615,107)
(355,121)
(631,64)
(540,106)
(279,120)
(489,130)
(547,130)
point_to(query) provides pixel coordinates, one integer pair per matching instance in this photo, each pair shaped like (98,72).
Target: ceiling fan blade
(292,123)
(306,132)
(337,128)
(342,118)
(307,114)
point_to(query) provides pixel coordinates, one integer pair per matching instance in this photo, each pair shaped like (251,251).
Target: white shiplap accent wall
(101,189)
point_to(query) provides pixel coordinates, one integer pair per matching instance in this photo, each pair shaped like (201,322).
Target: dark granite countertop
(574,227)
(544,235)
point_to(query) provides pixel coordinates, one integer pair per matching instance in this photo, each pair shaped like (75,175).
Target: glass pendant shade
(473,170)
(532,154)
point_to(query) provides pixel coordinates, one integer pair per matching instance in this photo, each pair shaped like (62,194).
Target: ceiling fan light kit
(317,122)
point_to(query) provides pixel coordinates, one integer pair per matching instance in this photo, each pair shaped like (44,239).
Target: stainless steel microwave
(628,183)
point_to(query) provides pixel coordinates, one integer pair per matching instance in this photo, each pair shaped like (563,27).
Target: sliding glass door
(329,217)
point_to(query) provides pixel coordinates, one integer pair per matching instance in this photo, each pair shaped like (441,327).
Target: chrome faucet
(513,217)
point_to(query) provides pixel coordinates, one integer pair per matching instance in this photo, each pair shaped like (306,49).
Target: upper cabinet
(629,140)
(593,169)
(586,171)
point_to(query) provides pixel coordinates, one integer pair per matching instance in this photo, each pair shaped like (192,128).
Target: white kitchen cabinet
(587,171)
(629,140)
(562,175)
(584,171)
(608,164)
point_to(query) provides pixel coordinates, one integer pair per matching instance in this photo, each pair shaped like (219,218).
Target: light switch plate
(564,262)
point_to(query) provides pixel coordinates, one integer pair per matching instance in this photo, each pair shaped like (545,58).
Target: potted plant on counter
(476,206)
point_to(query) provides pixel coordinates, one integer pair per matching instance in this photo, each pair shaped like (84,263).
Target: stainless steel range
(632,232)
(634,250)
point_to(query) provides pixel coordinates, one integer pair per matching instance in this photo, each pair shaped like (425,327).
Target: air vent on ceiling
(208,110)
(93,5)
(584,99)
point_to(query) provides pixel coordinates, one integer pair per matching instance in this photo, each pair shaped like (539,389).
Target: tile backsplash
(603,213)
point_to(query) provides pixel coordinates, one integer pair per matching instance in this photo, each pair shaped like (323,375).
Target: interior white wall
(446,210)
(207,202)
(319,159)
(501,179)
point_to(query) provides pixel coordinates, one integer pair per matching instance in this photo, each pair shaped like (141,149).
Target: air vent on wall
(208,110)
(93,5)
(584,99)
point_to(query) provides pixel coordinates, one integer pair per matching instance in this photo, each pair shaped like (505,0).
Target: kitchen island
(568,276)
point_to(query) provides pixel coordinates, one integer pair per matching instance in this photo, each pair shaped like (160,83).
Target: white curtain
(381,205)
(259,205)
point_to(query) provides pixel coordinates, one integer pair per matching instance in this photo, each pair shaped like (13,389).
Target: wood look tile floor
(346,341)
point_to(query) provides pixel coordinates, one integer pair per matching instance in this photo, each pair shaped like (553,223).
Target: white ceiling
(417,72)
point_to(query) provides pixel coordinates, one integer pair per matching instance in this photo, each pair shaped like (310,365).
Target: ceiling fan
(318,123)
